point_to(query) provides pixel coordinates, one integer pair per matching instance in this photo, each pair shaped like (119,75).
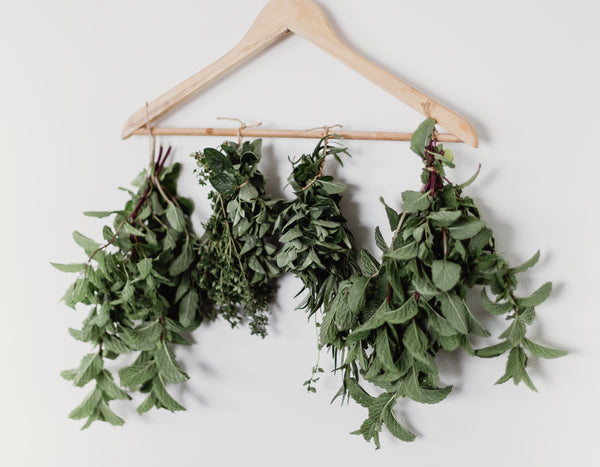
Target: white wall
(525,73)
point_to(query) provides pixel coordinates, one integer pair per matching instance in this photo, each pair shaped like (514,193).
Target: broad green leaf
(415,342)
(224,182)
(130,229)
(109,416)
(109,387)
(175,217)
(543,351)
(369,263)
(494,350)
(168,368)
(466,229)
(494,307)
(396,428)
(137,374)
(405,252)
(290,235)
(164,397)
(99,214)
(248,193)
(188,307)
(143,336)
(148,403)
(144,267)
(358,394)
(536,297)
(392,215)
(415,201)
(380,242)
(183,261)
(79,267)
(443,218)
(527,264)
(455,311)
(217,162)
(69,375)
(114,344)
(445,274)
(88,405)
(402,314)
(470,180)
(383,352)
(423,395)
(332,188)
(90,366)
(422,137)
(88,245)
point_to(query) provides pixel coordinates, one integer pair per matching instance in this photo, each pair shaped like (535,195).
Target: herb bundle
(143,292)
(237,256)
(393,319)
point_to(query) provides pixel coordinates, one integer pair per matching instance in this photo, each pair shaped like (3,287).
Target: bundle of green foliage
(237,254)
(143,291)
(315,239)
(392,320)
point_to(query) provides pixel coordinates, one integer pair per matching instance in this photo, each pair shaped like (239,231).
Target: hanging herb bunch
(142,291)
(391,321)
(238,252)
(316,244)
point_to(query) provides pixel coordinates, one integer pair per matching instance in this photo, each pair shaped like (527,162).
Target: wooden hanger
(305,18)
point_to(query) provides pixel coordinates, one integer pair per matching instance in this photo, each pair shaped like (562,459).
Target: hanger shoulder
(270,25)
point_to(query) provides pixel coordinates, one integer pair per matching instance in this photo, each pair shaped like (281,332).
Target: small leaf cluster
(315,239)
(143,293)
(392,320)
(237,254)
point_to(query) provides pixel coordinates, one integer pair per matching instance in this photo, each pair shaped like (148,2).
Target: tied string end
(242,126)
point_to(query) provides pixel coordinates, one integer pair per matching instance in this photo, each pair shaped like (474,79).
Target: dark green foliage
(237,255)
(142,291)
(392,320)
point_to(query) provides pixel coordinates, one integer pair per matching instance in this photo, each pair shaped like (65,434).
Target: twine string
(326,129)
(242,126)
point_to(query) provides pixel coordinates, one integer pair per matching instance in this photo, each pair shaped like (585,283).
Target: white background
(525,73)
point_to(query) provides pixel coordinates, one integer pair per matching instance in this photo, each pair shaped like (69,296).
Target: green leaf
(248,193)
(109,416)
(332,188)
(175,217)
(114,344)
(380,242)
(144,267)
(402,314)
(137,374)
(494,350)
(168,368)
(69,375)
(148,403)
(188,307)
(183,261)
(87,407)
(88,245)
(445,274)
(536,297)
(143,336)
(396,428)
(291,235)
(392,215)
(443,218)
(423,395)
(515,332)
(78,267)
(415,201)
(415,342)
(99,214)
(358,394)
(217,162)
(527,264)
(494,307)
(405,252)
(90,366)
(164,397)
(108,386)
(466,229)
(369,263)
(422,137)
(543,351)
(224,182)
(470,180)
(454,310)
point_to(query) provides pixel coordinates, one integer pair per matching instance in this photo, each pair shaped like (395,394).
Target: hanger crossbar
(274,133)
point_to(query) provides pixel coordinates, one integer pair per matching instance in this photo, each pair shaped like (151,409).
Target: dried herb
(238,251)
(142,292)
(394,318)
(315,239)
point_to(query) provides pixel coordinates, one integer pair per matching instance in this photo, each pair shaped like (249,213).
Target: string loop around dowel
(242,126)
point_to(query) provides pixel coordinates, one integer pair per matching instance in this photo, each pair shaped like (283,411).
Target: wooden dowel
(314,134)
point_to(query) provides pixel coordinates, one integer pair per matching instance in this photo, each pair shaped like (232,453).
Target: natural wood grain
(305,18)
(268,133)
